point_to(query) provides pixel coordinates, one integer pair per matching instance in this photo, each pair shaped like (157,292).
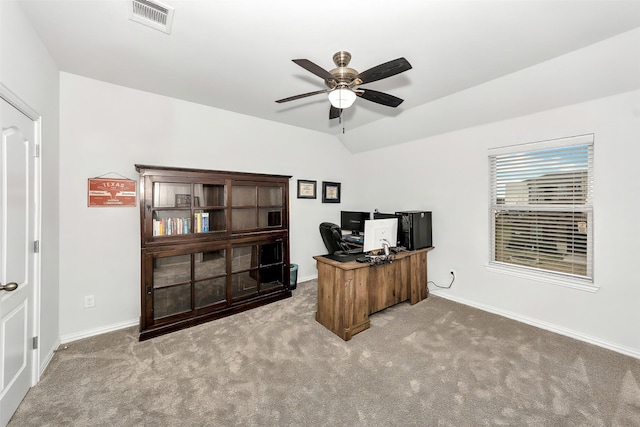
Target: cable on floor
(453,279)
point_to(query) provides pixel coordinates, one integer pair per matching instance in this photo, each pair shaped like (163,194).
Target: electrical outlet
(89,301)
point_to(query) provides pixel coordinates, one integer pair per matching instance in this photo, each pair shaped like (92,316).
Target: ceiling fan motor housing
(342,58)
(343,75)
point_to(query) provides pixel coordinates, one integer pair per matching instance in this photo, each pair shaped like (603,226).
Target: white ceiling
(236,54)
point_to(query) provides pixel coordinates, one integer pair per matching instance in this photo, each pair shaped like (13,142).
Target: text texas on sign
(112,192)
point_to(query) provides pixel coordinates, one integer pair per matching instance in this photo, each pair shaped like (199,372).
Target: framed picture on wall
(330,192)
(306,189)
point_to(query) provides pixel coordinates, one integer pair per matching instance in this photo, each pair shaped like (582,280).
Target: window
(541,208)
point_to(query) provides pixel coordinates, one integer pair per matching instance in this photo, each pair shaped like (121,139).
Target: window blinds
(541,206)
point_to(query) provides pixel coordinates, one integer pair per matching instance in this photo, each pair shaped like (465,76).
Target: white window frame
(583,282)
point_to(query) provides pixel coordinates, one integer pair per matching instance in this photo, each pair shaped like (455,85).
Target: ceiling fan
(342,82)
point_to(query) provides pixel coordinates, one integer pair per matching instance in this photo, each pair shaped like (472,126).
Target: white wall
(28,70)
(449,175)
(108,128)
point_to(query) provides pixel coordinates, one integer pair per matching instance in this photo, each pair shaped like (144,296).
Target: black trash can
(293,276)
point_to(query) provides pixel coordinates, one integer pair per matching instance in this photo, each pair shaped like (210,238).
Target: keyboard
(353,239)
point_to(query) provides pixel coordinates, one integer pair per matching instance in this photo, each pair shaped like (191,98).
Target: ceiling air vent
(152,14)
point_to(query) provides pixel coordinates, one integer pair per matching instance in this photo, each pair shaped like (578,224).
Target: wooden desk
(348,292)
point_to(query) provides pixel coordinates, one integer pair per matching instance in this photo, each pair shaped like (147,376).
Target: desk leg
(342,300)
(418,278)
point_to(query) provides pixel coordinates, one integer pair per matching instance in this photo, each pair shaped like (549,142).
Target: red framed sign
(111,192)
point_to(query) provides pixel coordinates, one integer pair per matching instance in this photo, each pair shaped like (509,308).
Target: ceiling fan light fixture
(342,98)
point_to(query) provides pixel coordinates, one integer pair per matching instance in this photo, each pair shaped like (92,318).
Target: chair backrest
(332,237)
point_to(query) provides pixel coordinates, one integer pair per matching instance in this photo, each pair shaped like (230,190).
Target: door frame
(15,101)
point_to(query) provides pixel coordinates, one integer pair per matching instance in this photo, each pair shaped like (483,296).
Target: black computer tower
(415,229)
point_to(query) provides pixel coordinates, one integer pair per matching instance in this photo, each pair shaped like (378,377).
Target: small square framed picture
(183,200)
(306,189)
(330,192)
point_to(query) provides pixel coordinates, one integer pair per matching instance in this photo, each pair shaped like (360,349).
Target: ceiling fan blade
(315,69)
(334,112)
(302,95)
(383,71)
(380,97)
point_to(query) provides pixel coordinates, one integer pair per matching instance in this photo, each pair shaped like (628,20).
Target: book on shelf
(171,226)
(201,222)
(205,222)
(198,224)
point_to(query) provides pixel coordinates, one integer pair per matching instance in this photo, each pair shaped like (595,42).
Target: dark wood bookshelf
(213,243)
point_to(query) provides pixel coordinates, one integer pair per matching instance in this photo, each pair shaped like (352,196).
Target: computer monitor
(379,231)
(353,221)
(380,215)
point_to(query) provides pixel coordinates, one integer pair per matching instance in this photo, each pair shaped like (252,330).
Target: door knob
(9,287)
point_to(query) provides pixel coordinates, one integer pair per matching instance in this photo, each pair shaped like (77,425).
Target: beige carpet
(437,363)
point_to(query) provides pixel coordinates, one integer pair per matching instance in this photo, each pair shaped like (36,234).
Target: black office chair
(332,238)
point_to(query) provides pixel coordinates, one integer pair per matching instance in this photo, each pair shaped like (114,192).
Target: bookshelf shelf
(213,243)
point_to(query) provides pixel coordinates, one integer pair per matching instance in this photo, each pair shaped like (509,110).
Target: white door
(17,231)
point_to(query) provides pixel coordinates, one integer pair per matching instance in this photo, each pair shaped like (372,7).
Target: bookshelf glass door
(210,278)
(171,195)
(271,266)
(171,209)
(256,269)
(244,271)
(257,206)
(244,202)
(171,285)
(210,207)
(270,206)
(175,277)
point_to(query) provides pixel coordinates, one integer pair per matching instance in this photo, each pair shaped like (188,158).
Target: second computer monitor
(380,215)
(378,232)
(353,221)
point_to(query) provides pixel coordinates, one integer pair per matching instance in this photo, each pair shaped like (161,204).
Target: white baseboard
(64,339)
(44,362)
(305,279)
(543,325)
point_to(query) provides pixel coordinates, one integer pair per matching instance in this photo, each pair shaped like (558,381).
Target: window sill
(568,282)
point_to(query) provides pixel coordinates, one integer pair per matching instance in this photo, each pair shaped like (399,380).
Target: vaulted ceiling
(236,55)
